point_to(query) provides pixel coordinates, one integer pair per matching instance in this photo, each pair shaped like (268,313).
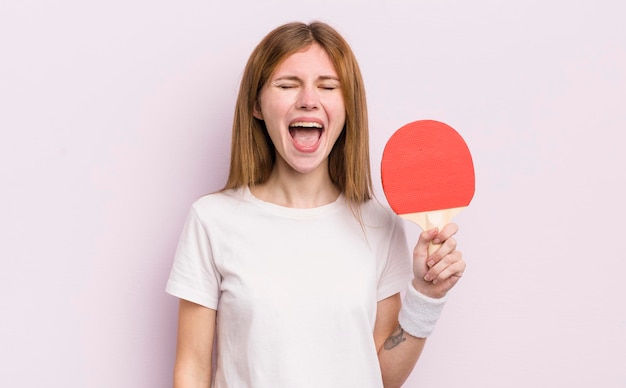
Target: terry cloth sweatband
(419,313)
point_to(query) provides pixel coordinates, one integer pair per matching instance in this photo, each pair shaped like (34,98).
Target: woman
(293,270)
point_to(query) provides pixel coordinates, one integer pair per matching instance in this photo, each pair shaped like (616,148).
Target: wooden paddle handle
(433,219)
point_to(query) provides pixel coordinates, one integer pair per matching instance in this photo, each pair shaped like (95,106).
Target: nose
(308,98)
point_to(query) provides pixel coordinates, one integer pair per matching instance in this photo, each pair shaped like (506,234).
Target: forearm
(188,375)
(413,321)
(398,356)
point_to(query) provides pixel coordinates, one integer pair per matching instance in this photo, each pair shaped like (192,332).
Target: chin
(305,168)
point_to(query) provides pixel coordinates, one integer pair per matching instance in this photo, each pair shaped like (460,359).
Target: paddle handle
(433,219)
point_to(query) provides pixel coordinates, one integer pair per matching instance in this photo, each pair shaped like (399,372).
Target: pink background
(116,115)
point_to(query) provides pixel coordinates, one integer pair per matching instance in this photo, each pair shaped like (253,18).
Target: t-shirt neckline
(332,207)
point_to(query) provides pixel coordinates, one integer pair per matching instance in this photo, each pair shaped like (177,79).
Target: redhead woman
(292,274)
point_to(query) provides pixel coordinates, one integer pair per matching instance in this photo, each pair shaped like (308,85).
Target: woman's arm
(434,276)
(397,351)
(196,330)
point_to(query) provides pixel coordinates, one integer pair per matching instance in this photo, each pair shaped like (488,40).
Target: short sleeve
(194,276)
(397,272)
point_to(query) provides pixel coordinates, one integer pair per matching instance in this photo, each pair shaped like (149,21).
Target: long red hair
(252,151)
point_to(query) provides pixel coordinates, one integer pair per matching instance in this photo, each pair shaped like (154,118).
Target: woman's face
(303,109)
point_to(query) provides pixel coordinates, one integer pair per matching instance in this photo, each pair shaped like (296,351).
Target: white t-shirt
(295,289)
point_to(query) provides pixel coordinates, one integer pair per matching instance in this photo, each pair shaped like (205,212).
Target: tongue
(305,137)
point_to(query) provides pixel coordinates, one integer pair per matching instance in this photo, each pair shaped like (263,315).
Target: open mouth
(306,134)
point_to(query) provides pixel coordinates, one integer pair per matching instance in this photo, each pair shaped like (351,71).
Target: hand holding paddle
(427,174)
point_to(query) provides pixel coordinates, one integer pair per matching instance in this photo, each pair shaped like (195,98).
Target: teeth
(306,125)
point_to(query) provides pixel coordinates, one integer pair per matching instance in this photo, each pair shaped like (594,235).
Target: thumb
(420,254)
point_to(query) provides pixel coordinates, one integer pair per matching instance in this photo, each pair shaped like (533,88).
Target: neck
(289,188)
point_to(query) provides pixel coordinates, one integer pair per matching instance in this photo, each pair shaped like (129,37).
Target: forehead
(311,60)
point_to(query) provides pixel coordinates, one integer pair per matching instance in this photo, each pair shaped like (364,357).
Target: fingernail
(427,277)
(430,263)
(437,241)
(435,281)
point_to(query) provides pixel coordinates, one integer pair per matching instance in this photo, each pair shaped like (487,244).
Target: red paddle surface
(427,166)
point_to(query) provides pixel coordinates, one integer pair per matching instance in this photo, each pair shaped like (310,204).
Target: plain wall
(116,115)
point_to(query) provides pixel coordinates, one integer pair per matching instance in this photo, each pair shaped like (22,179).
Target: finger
(425,238)
(447,283)
(442,251)
(449,265)
(451,272)
(446,232)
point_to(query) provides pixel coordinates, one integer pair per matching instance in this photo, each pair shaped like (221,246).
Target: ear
(256,112)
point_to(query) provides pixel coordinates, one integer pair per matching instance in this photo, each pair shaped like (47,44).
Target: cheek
(275,108)
(336,109)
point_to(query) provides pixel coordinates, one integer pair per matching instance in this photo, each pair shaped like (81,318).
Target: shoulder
(375,214)
(221,203)
(217,200)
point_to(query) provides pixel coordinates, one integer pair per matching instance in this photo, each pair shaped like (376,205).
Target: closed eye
(329,85)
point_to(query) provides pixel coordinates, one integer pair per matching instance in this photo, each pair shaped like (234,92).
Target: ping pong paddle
(427,174)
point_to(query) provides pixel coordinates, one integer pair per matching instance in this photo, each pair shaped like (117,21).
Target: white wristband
(419,313)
